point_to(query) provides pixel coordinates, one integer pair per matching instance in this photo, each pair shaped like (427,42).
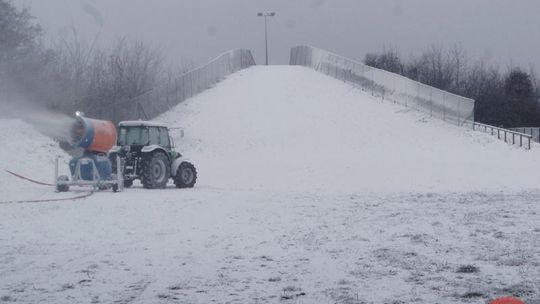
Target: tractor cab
(136,135)
(143,134)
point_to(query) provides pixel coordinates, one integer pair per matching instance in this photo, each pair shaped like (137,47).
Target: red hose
(43,200)
(51,200)
(28,179)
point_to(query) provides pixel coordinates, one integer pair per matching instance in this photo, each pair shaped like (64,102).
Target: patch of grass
(68,286)
(513,261)
(468,269)
(472,295)
(266,258)
(519,290)
(290,288)
(345,296)
(175,287)
(290,297)
(166,297)
(291,292)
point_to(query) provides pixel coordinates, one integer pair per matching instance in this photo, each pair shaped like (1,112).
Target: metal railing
(162,98)
(386,85)
(532,131)
(505,134)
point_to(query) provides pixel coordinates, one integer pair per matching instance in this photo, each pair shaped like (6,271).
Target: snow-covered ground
(27,152)
(309,191)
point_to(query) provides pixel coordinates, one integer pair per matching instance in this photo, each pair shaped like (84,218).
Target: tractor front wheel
(186,176)
(155,171)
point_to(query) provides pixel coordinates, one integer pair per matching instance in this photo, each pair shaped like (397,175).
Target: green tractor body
(147,153)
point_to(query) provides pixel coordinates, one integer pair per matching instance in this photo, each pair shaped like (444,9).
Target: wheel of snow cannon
(155,171)
(186,176)
(62,188)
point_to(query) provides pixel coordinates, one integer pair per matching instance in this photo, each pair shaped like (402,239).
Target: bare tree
(20,55)
(74,74)
(459,61)
(388,60)
(508,100)
(535,82)
(434,68)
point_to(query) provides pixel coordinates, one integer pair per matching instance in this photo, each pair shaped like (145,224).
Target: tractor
(146,152)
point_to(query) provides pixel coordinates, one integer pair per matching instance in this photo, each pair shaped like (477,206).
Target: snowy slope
(284,127)
(27,152)
(310,191)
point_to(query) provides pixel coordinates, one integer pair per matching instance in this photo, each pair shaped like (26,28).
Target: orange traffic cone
(507,300)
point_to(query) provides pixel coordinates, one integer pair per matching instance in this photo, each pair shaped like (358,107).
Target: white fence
(389,86)
(163,98)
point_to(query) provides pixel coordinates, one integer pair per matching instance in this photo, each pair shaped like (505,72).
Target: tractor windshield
(133,136)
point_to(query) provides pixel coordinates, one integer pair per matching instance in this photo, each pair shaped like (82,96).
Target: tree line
(509,99)
(70,74)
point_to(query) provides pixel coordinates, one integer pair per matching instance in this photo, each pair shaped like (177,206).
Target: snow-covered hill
(310,191)
(287,127)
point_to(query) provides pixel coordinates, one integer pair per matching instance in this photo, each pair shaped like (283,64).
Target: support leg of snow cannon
(56,173)
(119,176)
(61,183)
(95,172)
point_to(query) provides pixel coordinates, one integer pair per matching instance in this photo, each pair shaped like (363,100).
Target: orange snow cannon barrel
(93,135)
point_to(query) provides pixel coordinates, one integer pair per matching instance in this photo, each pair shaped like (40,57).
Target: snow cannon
(93,135)
(94,168)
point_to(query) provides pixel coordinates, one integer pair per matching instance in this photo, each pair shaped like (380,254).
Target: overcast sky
(503,31)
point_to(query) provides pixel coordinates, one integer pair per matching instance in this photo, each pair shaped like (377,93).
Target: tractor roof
(141,123)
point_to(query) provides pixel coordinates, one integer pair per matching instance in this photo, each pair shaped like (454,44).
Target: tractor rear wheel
(155,171)
(186,176)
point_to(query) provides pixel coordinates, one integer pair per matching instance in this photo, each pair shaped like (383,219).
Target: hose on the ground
(50,200)
(85,195)
(28,179)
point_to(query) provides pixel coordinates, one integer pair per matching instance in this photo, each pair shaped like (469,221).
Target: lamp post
(266,15)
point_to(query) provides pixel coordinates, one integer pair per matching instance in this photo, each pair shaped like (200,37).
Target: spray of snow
(48,122)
